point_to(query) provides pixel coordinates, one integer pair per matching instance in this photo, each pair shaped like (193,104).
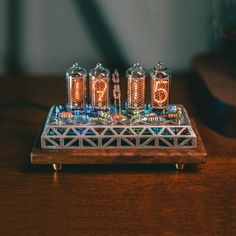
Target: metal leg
(179,166)
(57,167)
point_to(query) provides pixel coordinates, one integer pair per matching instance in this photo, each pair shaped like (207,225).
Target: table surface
(107,200)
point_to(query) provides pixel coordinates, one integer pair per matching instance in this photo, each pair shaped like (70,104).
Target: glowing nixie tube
(76,87)
(99,87)
(136,87)
(160,83)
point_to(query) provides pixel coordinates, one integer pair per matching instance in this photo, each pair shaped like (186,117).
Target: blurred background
(196,39)
(46,37)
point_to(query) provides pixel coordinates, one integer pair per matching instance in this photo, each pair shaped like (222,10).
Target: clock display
(159,93)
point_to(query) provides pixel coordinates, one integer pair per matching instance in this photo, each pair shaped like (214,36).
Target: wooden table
(107,200)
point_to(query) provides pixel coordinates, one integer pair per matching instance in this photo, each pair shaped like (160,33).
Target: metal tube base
(179,166)
(57,167)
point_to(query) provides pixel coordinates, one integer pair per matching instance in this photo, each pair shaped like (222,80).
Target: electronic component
(99,87)
(159,83)
(97,124)
(116,92)
(76,87)
(136,87)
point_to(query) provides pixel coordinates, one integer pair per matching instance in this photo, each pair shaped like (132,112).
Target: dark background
(46,37)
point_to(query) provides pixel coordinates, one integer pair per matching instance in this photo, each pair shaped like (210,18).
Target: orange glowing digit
(161,93)
(135,91)
(100,92)
(77,91)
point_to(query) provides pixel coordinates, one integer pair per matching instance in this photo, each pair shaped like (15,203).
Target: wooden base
(179,157)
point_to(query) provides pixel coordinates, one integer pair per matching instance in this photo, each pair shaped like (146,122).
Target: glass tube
(76,87)
(99,78)
(159,84)
(136,87)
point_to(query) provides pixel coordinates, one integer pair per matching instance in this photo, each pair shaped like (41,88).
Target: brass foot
(57,167)
(179,166)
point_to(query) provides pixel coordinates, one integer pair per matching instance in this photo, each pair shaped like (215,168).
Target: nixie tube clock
(160,83)
(76,87)
(136,76)
(99,87)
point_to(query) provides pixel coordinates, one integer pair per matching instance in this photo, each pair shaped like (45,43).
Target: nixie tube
(136,87)
(76,87)
(159,83)
(99,87)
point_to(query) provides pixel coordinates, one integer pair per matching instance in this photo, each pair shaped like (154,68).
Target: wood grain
(108,200)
